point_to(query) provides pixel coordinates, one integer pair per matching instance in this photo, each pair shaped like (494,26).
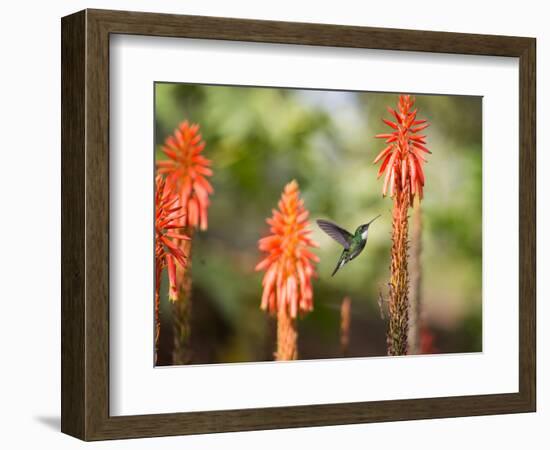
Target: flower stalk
(399,281)
(345,325)
(181,310)
(401,163)
(168,235)
(287,337)
(187,169)
(415,310)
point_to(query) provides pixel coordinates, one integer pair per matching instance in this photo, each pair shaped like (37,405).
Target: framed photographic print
(271,224)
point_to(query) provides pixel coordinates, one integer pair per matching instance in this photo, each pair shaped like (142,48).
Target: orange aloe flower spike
(402,163)
(289,265)
(188,171)
(402,159)
(167,222)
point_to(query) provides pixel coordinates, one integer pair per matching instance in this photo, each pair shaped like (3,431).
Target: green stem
(181,309)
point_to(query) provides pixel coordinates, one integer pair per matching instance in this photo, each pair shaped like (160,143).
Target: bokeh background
(261,138)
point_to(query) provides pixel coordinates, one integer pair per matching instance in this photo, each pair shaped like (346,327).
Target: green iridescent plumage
(353,243)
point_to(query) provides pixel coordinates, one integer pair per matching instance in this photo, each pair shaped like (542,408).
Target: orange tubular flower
(427,341)
(289,267)
(290,264)
(186,168)
(167,251)
(402,158)
(167,221)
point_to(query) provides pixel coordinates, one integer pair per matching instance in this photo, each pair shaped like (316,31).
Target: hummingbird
(353,243)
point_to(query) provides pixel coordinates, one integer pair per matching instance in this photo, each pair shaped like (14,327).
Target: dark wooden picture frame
(85,224)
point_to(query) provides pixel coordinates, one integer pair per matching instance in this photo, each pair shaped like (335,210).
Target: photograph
(274,222)
(300,224)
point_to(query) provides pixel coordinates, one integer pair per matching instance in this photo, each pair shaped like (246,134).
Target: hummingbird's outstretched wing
(337,233)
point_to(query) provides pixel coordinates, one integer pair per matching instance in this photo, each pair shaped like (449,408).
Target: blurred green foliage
(261,138)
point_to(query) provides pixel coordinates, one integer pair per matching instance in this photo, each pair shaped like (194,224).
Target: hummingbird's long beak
(374,219)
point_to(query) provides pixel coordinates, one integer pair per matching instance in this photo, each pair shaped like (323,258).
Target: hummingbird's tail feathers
(341,262)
